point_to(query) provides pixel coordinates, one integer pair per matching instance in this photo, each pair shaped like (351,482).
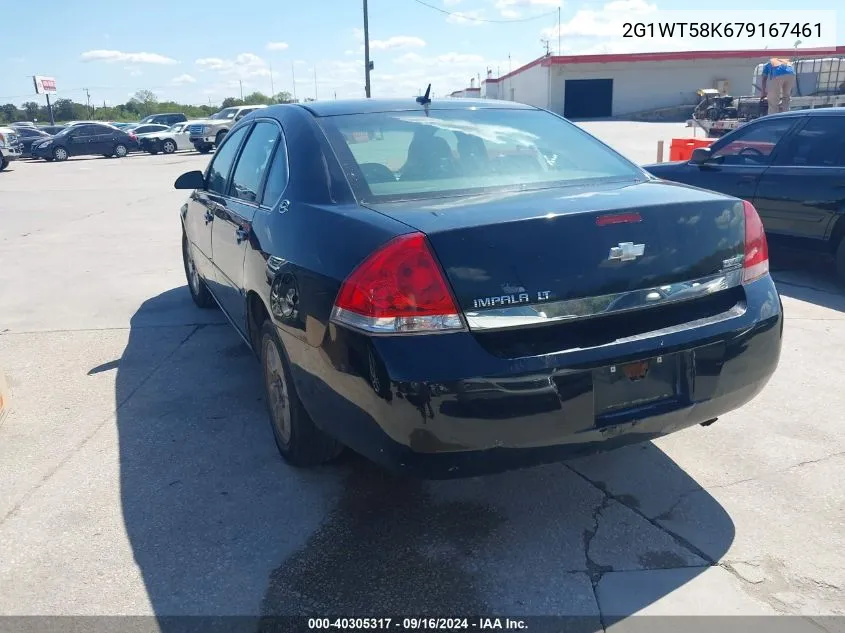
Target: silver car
(173,139)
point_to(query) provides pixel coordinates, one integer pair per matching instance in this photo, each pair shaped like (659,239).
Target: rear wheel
(60,154)
(120,150)
(196,285)
(298,439)
(168,147)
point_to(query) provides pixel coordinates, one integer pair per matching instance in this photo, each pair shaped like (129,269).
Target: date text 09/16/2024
(417,624)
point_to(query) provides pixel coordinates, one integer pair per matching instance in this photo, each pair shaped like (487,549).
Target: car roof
(364,106)
(812,112)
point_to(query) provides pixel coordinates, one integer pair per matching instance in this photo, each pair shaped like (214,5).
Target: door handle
(209,216)
(241,235)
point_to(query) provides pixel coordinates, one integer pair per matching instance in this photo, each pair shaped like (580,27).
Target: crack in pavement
(80,445)
(595,572)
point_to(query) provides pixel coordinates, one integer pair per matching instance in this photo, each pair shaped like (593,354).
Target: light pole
(368,65)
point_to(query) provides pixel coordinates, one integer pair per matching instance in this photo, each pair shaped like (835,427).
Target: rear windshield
(390,156)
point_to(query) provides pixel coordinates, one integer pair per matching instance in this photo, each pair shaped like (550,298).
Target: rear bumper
(7,153)
(202,140)
(418,405)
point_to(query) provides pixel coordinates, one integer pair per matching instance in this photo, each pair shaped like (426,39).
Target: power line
(463,16)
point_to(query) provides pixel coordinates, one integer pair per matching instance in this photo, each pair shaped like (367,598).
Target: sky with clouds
(203,51)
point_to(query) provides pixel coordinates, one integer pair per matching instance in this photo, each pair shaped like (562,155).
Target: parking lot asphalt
(139,474)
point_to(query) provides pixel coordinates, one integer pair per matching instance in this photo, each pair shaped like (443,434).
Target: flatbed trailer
(716,127)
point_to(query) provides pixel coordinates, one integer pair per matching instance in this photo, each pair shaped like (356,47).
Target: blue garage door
(588,98)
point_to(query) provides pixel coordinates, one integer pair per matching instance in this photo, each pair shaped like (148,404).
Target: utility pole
(88,98)
(293,78)
(558,30)
(368,65)
(315,83)
(242,89)
(272,89)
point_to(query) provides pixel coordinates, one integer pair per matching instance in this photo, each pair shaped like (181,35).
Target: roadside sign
(44,85)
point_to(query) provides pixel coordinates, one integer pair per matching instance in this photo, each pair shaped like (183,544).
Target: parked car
(175,138)
(52,129)
(207,134)
(28,136)
(791,166)
(86,140)
(440,287)
(22,124)
(145,128)
(166,119)
(10,148)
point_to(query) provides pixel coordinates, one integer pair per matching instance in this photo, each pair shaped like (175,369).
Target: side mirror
(700,155)
(190,180)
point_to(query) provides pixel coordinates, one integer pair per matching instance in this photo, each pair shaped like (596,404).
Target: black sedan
(791,166)
(29,136)
(469,286)
(86,139)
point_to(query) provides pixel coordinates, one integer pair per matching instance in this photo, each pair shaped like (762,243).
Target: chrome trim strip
(588,307)
(440,324)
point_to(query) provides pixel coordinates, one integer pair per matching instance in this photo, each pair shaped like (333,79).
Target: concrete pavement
(140,475)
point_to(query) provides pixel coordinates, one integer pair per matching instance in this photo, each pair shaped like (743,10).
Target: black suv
(86,139)
(167,119)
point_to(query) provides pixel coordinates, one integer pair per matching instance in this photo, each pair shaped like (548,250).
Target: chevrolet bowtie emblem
(626,252)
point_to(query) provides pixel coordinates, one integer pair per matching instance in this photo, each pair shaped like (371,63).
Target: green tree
(230,102)
(258,98)
(31,108)
(10,112)
(282,97)
(63,110)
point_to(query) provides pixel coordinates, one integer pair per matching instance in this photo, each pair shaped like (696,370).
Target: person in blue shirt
(778,84)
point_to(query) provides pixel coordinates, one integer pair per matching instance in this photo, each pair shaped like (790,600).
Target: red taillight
(399,288)
(756,248)
(132,136)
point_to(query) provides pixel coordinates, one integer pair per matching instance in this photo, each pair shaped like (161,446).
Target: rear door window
(224,158)
(820,143)
(277,177)
(254,160)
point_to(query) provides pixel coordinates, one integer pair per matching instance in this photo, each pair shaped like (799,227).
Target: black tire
(60,154)
(168,146)
(106,155)
(203,149)
(840,261)
(219,138)
(298,439)
(196,285)
(121,151)
(152,152)
(4,163)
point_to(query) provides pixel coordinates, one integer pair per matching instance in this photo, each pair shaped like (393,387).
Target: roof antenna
(424,99)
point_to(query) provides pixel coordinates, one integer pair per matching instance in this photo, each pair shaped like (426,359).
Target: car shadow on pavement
(221,526)
(807,278)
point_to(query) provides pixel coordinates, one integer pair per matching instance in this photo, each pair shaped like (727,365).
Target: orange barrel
(681,148)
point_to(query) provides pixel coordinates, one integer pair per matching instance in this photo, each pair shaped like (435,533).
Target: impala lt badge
(626,252)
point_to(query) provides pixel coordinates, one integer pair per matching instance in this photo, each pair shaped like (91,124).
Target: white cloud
(119,56)
(241,67)
(510,8)
(133,71)
(358,34)
(182,80)
(603,23)
(277,46)
(397,41)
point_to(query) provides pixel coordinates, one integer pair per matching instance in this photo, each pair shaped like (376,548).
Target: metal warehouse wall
(530,86)
(640,86)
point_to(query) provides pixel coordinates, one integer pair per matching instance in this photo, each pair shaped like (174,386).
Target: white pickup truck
(10,148)
(207,134)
